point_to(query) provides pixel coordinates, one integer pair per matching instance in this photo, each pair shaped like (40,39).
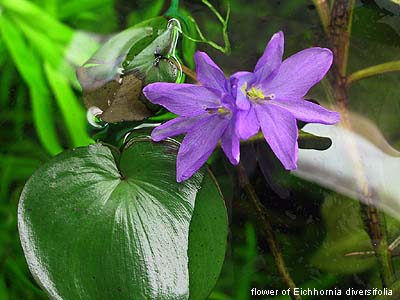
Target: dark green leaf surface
(207,239)
(91,230)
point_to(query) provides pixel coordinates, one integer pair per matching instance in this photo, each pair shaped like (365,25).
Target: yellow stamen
(255,94)
(223,110)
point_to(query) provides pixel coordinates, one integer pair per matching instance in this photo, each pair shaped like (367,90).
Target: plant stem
(339,36)
(375,224)
(267,230)
(191,74)
(323,12)
(374,221)
(391,66)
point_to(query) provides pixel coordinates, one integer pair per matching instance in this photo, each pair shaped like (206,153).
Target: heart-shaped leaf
(95,226)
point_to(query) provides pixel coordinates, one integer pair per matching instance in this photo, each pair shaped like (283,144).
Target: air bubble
(93,116)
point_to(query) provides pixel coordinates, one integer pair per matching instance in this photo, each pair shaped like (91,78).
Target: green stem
(267,230)
(224,22)
(392,66)
(375,224)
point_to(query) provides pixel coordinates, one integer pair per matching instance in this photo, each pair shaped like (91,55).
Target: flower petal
(174,127)
(198,145)
(246,123)
(307,111)
(280,132)
(298,73)
(208,73)
(231,144)
(271,58)
(242,81)
(182,99)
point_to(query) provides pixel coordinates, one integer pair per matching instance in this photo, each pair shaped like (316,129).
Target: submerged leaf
(345,234)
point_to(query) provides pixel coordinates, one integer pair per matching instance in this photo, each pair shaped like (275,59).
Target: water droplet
(93,116)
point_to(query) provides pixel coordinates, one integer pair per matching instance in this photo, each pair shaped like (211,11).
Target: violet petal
(182,99)
(280,131)
(307,111)
(298,73)
(246,123)
(271,58)
(198,145)
(174,127)
(208,73)
(242,80)
(231,144)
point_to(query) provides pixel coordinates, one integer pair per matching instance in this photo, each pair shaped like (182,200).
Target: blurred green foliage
(41,113)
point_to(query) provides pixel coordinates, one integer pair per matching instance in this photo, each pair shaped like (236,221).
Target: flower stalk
(267,230)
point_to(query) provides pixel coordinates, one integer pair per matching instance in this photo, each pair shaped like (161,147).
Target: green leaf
(95,226)
(145,9)
(106,64)
(39,19)
(188,28)
(28,65)
(345,234)
(3,288)
(73,114)
(207,240)
(156,62)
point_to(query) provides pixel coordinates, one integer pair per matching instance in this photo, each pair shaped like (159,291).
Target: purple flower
(206,112)
(272,97)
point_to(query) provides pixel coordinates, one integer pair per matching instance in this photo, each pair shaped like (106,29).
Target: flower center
(255,94)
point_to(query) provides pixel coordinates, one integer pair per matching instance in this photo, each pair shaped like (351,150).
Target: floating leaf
(97,227)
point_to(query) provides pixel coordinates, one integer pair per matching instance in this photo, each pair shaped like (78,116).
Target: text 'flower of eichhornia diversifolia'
(234,109)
